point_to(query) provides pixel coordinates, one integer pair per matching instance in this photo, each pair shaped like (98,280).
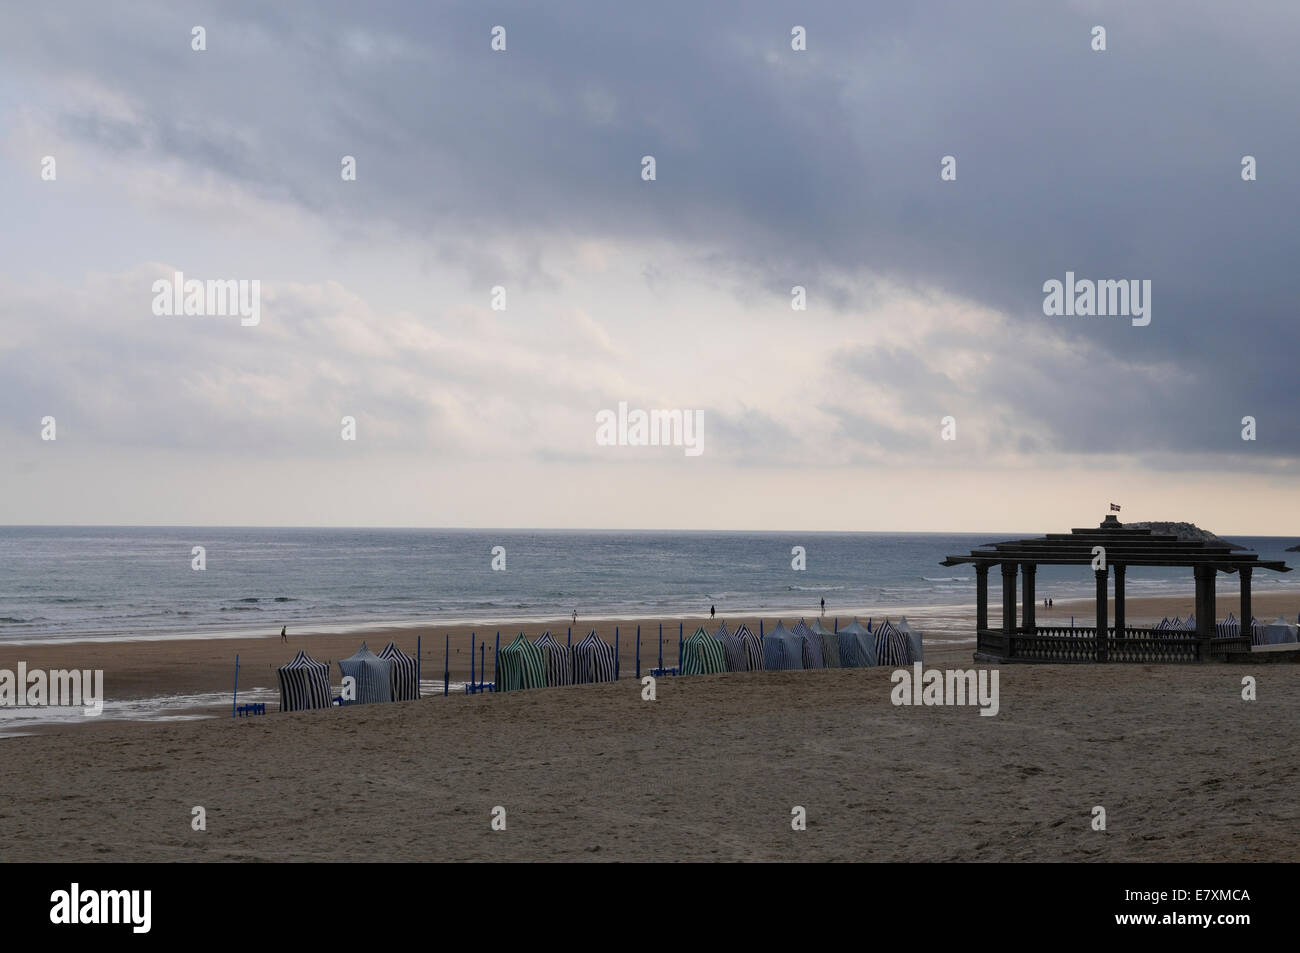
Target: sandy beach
(711,770)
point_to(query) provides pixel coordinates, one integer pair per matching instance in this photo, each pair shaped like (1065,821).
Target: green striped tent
(702,654)
(523,665)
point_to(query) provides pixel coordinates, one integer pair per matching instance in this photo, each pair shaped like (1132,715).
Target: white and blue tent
(830,644)
(857,647)
(810,644)
(893,647)
(593,660)
(913,636)
(782,649)
(558,660)
(753,648)
(1277,633)
(733,649)
(373,675)
(406,673)
(304,683)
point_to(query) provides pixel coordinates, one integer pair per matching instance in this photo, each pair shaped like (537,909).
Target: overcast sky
(774,168)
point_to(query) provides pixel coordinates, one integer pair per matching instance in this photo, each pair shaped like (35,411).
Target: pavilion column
(1245,602)
(1205,609)
(1102,622)
(1028,599)
(1009,600)
(1119,600)
(981,596)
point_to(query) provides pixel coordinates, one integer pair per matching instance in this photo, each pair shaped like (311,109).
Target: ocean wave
(814,588)
(947,578)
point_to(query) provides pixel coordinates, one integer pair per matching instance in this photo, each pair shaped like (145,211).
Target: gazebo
(1120,547)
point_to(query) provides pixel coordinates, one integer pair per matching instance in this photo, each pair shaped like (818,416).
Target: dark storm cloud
(1123,164)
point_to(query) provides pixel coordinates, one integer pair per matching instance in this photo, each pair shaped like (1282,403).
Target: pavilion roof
(1131,547)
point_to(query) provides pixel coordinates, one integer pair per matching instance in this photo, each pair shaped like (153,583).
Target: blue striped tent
(559,660)
(892,646)
(593,660)
(914,636)
(1229,628)
(406,673)
(523,665)
(830,644)
(810,645)
(857,647)
(702,654)
(304,683)
(1190,623)
(373,675)
(753,648)
(733,648)
(782,649)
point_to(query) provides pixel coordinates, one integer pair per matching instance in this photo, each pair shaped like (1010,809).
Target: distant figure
(823,605)
(1050,603)
(713,611)
(283,636)
(575,616)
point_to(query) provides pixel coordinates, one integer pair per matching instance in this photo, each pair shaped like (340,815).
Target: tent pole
(234,701)
(482,662)
(496,664)
(471,664)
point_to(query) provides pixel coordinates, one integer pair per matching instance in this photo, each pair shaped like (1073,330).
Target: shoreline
(198,674)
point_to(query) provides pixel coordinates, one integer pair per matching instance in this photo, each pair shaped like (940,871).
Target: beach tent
(702,654)
(523,665)
(892,646)
(1189,624)
(830,644)
(406,673)
(559,660)
(857,647)
(782,649)
(1229,628)
(1277,633)
(913,636)
(753,647)
(304,683)
(810,644)
(593,660)
(733,649)
(374,676)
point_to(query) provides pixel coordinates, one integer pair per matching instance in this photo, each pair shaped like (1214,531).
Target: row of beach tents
(392,675)
(1261,633)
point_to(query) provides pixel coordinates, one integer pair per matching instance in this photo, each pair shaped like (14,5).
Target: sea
(140,583)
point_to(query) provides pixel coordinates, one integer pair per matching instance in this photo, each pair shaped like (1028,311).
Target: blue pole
(496,664)
(569,640)
(234,701)
(837,624)
(446,665)
(471,662)
(638,654)
(760,628)
(482,662)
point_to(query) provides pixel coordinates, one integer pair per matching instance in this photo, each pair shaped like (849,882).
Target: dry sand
(1185,769)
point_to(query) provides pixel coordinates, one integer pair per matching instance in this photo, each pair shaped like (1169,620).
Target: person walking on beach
(713,611)
(823,605)
(575,616)
(283,636)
